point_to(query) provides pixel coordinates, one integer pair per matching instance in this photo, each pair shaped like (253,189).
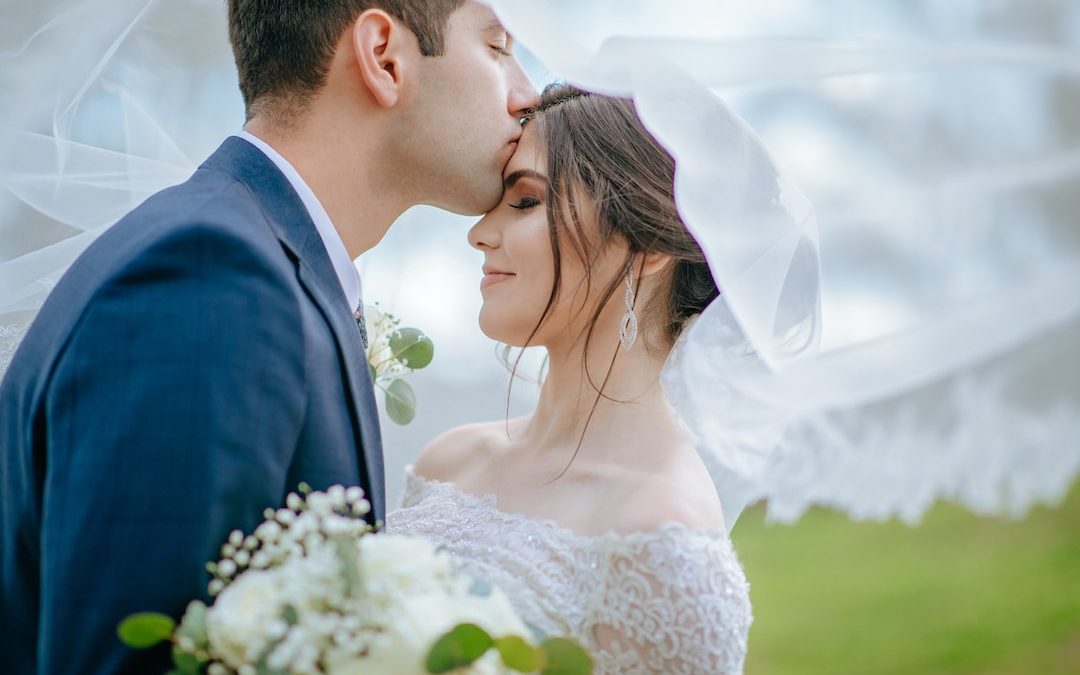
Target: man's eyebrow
(511,180)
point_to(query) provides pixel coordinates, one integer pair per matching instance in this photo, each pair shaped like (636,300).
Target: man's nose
(523,96)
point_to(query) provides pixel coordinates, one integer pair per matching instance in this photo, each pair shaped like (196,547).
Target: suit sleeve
(173,415)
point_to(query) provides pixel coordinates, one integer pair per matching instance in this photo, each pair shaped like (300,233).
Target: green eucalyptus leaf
(459,648)
(400,402)
(144,630)
(565,657)
(519,655)
(412,348)
(374,373)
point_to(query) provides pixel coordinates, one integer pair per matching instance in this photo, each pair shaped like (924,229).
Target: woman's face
(519,264)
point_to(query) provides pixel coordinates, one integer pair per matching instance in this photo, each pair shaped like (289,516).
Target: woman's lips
(494,278)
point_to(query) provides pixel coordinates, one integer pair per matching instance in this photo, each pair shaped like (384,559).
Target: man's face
(463,125)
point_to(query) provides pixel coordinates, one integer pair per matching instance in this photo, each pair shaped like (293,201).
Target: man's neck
(360,204)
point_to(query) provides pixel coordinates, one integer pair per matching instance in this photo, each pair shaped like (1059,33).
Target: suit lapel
(293,226)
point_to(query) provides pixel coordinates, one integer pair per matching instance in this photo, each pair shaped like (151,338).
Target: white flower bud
(276,629)
(217,669)
(286,517)
(216,586)
(361,508)
(336,494)
(227,568)
(242,558)
(354,494)
(236,537)
(185,644)
(319,503)
(228,551)
(294,502)
(251,543)
(268,531)
(268,513)
(260,560)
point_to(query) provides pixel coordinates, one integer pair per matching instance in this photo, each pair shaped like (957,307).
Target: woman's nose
(485,234)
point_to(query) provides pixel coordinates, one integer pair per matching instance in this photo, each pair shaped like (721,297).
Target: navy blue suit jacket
(193,366)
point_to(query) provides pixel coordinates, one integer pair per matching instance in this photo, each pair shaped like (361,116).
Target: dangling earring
(628,327)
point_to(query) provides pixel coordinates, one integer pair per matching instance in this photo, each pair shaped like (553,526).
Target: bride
(595,512)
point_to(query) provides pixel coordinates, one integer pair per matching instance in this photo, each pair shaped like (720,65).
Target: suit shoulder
(442,458)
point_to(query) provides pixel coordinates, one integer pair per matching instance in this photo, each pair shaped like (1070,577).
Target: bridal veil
(895,238)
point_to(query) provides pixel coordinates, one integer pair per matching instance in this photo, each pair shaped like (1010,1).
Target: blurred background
(958,594)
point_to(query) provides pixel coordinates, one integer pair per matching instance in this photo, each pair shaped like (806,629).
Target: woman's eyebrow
(511,180)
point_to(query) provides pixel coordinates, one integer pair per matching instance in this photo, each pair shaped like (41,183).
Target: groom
(202,358)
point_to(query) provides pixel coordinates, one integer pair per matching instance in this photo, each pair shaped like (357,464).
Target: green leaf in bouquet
(144,630)
(565,657)
(412,347)
(519,655)
(400,402)
(374,373)
(186,663)
(459,648)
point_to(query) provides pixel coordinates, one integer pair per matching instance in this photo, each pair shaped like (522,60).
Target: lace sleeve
(673,601)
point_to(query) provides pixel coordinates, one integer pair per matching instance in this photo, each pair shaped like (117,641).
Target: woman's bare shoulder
(443,458)
(681,492)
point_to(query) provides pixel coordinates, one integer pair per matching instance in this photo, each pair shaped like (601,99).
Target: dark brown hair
(283,48)
(597,150)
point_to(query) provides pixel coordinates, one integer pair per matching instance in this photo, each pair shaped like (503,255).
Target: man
(202,358)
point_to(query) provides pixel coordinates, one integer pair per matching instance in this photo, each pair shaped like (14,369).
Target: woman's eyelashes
(525,203)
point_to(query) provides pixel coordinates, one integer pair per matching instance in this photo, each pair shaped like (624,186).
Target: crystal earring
(628,328)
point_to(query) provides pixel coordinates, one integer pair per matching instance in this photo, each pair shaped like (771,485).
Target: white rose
(241,621)
(493,613)
(418,621)
(401,562)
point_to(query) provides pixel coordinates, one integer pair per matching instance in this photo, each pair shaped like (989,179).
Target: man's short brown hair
(283,48)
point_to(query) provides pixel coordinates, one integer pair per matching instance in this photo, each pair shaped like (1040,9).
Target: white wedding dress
(671,601)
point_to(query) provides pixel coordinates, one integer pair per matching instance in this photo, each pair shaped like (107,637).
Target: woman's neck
(633,406)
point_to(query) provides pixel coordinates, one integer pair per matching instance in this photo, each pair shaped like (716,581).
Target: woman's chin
(499,331)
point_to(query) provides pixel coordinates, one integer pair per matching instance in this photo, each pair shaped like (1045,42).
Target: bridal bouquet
(314,591)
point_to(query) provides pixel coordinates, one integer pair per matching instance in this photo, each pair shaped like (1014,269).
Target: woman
(594,513)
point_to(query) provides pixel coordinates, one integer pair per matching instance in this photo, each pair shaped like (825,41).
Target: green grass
(958,595)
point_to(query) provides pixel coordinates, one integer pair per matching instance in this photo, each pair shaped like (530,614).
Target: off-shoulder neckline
(491,501)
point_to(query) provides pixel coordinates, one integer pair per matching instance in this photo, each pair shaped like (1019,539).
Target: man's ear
(380,47)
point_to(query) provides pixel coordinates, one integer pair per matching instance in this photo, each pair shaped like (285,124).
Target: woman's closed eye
(526,203)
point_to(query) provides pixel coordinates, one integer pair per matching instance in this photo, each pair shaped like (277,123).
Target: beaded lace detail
(673,600)
(10,337)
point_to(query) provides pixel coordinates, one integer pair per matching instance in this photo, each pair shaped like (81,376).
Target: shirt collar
(335,248)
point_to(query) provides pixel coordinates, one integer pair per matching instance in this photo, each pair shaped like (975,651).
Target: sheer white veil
(913,336)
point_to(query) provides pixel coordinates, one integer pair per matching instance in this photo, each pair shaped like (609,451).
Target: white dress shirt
(335,248)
